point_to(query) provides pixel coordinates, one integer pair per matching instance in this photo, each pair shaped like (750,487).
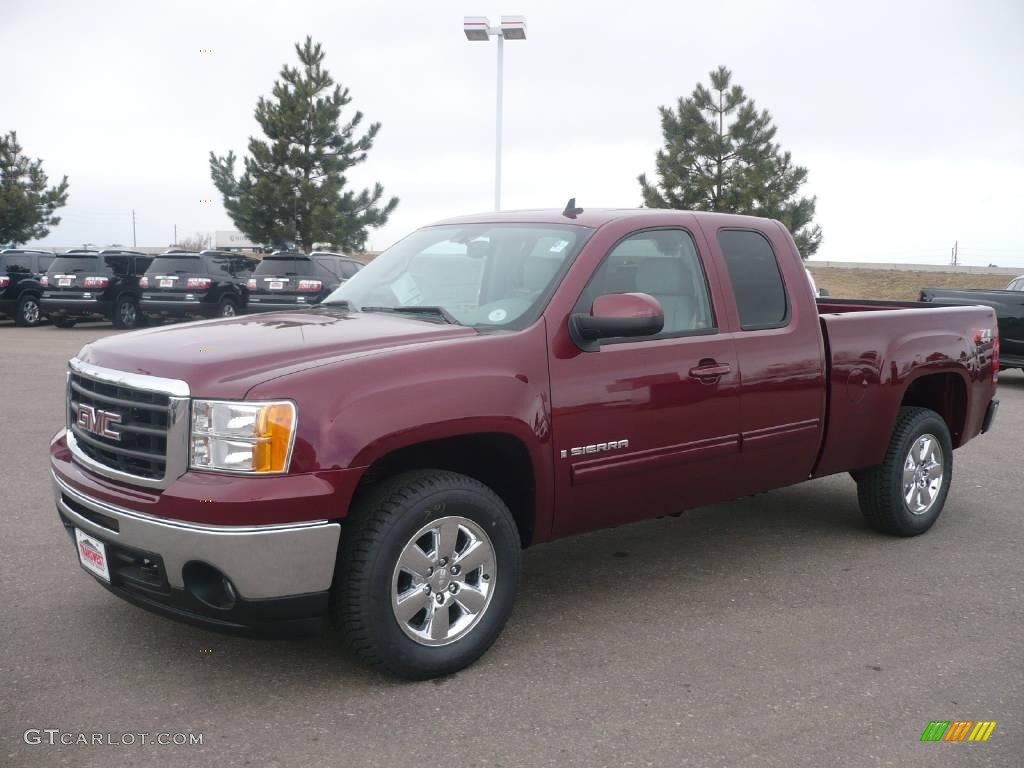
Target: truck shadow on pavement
(570,587)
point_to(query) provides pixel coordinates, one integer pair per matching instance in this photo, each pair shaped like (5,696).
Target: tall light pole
(478,28)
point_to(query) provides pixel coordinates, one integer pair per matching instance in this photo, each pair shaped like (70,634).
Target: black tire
(880,489)
(126,313)
(64,322)
(28,314)
(373,538)
(227,308)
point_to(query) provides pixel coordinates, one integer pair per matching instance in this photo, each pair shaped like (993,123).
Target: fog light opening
(209,586)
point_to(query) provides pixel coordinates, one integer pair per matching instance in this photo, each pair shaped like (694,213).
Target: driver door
(649,426)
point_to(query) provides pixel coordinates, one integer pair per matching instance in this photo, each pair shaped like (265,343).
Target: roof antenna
(571,210)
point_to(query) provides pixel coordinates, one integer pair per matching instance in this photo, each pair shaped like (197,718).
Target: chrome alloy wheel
(922,474)
(444,581)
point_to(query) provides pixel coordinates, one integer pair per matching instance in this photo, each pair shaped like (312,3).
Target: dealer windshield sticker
(559,246)
(497,315)
(406,291)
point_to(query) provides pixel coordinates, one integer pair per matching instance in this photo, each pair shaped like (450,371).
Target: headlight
(242,436)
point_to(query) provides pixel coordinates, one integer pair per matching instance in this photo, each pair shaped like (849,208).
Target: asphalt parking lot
(772,631)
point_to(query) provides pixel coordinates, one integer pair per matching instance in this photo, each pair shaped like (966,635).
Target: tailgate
(873,358)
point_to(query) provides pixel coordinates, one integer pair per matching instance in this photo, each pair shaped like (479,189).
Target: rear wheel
(427,573)
(126,313)
(904,495)
(227,308)
(27,313)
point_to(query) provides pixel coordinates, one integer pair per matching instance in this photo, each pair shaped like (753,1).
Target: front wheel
(904,495)
(126,314)
(427,573)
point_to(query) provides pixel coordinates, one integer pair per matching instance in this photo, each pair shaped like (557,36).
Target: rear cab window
(757,284)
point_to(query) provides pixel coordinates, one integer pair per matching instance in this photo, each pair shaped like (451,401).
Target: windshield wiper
(441,312)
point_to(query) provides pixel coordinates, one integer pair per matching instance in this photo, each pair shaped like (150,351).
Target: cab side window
(664,264)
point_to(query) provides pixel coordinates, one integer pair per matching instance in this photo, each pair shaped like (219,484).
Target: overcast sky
(908,115)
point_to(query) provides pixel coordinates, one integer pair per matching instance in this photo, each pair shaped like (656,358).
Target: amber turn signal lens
(274,427)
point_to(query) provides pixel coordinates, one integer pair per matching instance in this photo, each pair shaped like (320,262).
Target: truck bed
(875,351)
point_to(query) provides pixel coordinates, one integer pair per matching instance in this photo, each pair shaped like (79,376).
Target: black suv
(86,285)
(287,280)
(20,272)
(189,284)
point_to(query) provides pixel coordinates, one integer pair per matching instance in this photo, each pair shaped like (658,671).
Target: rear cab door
(773,317)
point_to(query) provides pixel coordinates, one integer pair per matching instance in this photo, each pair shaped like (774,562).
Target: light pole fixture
(479,29)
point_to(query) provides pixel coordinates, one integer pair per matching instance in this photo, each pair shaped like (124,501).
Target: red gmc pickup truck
(489,383)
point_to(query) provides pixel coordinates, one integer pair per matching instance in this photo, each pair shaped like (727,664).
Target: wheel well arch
(499,460)
(944,393)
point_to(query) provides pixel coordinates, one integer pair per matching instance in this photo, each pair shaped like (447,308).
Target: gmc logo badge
(98,422)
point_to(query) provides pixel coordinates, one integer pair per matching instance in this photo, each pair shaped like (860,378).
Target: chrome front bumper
(264,561)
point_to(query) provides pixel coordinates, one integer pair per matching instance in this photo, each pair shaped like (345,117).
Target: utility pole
(955,253)
(135,243)
(175,234)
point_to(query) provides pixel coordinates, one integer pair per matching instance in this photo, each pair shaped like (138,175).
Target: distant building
(232,239)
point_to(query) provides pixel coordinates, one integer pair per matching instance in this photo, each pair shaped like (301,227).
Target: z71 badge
(612,445)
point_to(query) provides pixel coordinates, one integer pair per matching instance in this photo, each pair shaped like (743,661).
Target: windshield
(68,265)
(485,275)
(286,265)
(174,265)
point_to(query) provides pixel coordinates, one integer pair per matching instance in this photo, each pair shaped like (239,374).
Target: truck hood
(226,358)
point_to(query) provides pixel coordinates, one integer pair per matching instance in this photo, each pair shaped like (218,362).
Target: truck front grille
(142,431)
(128,432)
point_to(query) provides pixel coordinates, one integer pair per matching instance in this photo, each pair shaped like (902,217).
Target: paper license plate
(93,555)
(276,285)
(166,283)
(63,281)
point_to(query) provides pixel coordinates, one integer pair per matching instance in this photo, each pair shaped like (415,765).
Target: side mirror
(615,315)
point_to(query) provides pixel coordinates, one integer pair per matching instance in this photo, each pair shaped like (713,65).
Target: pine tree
(720,155)
(27,205)
(293,188)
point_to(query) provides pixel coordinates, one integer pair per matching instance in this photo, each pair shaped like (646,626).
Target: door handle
(710,371)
